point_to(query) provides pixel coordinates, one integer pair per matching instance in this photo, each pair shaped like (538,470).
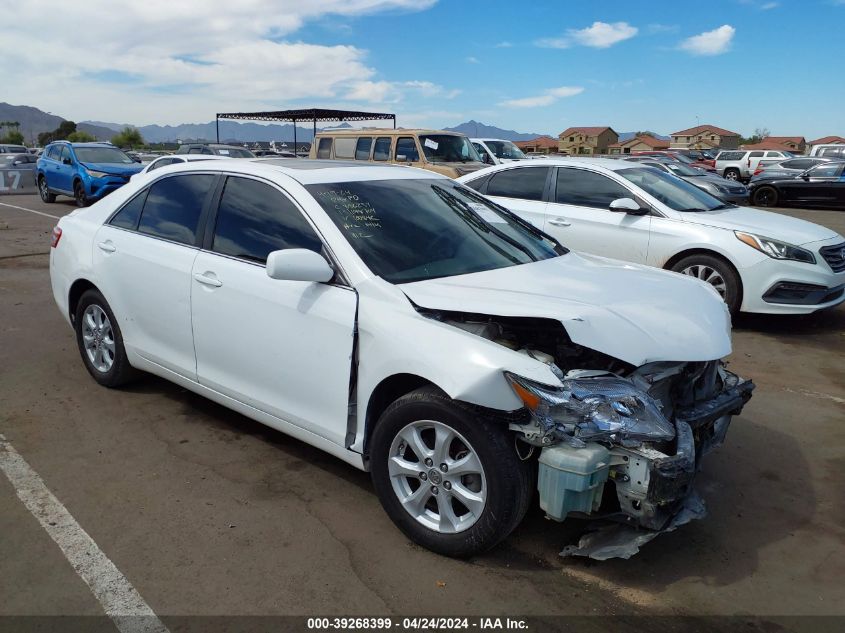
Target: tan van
(447,153)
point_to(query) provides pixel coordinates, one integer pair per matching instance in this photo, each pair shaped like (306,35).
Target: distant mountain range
(34,121)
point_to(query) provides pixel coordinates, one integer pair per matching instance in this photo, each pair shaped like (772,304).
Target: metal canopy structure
(308,114)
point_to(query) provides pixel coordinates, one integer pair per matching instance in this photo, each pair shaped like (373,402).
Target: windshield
(448,148)
(686,160)
(675,193)
(682,170)
(234,152)
(411,230)
(101,155)
(505,149)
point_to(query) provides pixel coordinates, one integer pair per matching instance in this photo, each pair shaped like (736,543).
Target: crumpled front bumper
(652,486)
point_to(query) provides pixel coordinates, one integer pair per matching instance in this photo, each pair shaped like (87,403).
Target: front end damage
(614,442)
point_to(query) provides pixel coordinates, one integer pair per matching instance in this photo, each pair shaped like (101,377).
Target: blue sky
(533,66)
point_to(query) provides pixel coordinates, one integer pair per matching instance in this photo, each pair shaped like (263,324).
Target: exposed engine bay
(638,432)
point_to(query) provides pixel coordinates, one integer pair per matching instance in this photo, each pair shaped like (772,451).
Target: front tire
(765,197)
(716,272)
(100,341)
(79,195)
(44,191)
(450,479)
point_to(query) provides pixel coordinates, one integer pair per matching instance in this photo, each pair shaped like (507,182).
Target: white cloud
(160,61)
(769,5)
(599,35)
(713,42)
(547,98)
(472,60)
(504,45)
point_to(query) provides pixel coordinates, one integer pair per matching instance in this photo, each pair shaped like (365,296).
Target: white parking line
(119,599)
(46,215)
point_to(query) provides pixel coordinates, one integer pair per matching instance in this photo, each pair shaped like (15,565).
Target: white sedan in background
(174,159)
(407,325)
(758,261)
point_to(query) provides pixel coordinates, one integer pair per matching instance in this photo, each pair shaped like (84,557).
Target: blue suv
(84,171)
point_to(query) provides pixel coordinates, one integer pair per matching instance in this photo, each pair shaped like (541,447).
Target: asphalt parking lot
(208,513)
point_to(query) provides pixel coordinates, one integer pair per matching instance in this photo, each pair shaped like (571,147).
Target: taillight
(55,237)
(759,170)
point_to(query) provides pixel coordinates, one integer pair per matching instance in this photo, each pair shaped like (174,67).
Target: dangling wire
(518,454)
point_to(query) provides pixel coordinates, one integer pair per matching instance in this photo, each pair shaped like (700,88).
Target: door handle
(560,222)
(204,279)
(106,247)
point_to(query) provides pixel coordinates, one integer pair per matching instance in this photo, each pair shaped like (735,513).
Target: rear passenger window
(362,148)
(406,150)
(755,155)
(588,189)
(324,149)
(173,207)
(344,147)
(381,151)
(128,216)
(525,183)
(255,219)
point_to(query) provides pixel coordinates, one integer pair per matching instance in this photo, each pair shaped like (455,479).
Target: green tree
(65,129)
(13,137)
(129,137)
(80,137)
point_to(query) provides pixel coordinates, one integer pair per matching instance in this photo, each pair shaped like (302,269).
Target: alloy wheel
(709,275)
(437,476)
(98,338)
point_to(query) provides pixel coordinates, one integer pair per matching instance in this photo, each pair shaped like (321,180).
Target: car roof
(375,131)
(308,171)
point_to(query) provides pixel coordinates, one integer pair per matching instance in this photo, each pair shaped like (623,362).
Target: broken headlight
(594,408)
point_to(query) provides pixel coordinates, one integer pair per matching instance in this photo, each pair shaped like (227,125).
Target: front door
(63,175)
(283,347)
(579,216)
(819,186)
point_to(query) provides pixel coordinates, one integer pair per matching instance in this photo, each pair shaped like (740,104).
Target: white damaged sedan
(407,325)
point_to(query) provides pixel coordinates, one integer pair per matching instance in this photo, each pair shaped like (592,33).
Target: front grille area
(834,256)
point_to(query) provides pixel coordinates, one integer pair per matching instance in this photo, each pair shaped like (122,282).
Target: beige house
(705,137)
(586,140)
(643,143)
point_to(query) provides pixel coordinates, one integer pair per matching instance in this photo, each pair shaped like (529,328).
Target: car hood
(765,223)
(629,312)
(118,169)
(713,179)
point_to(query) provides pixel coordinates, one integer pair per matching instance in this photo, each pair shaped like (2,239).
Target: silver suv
(738,164)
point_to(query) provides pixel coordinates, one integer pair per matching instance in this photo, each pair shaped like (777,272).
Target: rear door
(580,218)
(521,190)
(283,347)
(143,259)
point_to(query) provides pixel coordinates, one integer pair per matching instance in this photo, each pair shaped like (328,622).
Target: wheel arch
(77,289)
(712,253)
(388,390)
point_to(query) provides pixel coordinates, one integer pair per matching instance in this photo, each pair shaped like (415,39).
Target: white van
(495,151)
(831,150)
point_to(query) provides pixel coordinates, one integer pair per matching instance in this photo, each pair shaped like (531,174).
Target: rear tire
(100,341)
(79,195)
(44,191)
(425,500)
(718,273)
(731,173)
(765,196)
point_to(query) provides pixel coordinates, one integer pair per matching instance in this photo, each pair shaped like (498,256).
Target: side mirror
(805,176)
(485,158)
(627,205)
(298,264)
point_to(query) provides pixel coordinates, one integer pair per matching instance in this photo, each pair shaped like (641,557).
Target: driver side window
(406,150)
(583,188)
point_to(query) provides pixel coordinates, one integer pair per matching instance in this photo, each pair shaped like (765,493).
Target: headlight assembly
(776,249)
(595,408)
(95,174)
